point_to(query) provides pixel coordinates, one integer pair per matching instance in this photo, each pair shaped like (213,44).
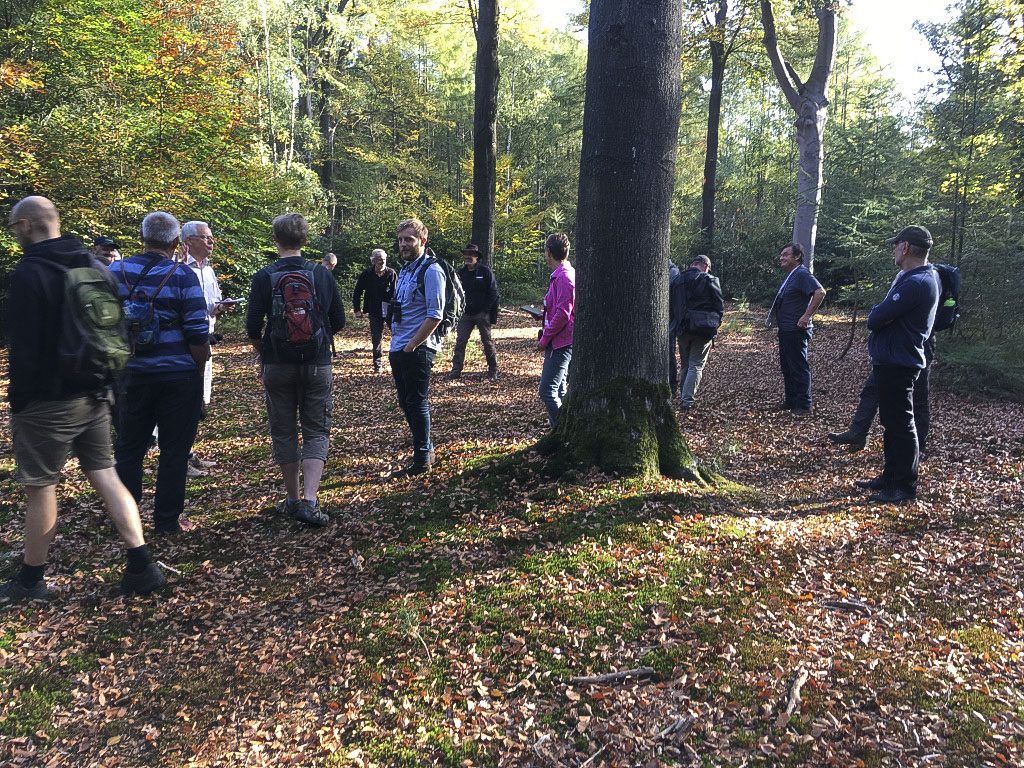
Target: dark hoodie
(34,320)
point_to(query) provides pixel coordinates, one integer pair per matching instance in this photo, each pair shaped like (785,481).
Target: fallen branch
(593,757)
(680,729)
(800,677)
(614,677)
(853,606)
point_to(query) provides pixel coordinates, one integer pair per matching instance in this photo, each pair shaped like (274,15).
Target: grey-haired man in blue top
(417,311)
(899,327)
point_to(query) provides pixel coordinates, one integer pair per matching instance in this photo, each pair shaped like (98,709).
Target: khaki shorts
(47,431)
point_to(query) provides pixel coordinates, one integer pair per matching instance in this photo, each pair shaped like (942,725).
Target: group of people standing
(294,310)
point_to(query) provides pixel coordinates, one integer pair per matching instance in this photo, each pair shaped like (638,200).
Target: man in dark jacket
(481,312)
(695,291)
(900,325)
(52,416)
(296,371)
(373,293)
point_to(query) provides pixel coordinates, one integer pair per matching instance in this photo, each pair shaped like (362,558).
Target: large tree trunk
(618,416)
(485,115)
(707,197)
(809,102)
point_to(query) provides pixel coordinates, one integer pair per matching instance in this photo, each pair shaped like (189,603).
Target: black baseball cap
(914,234)
(105,242)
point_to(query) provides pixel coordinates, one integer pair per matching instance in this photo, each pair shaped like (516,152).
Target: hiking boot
(421,466)
(492,375)
(893,496)
(853,439)
(198,463)
(309,512)
(453,376)
(144,582)
(16,592)
(798,410)
(874,484)
(287,507)
(194,471)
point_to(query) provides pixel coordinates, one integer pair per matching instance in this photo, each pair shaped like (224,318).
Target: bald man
(51,416)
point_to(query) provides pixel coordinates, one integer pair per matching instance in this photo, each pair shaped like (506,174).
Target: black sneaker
(893,496)
(855,440)
(16,592)
(453,376)
(874,484)
(144,582)
(492,375)
(309,512)
(420,467)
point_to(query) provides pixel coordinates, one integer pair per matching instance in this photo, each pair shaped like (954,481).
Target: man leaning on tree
(52,416)
(481,312)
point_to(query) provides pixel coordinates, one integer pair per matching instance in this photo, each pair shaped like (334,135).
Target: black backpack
(949,297)
(454,294)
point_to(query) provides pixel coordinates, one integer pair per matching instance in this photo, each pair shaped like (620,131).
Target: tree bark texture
(707,197)
(618,416)
(485,116)
(810,103)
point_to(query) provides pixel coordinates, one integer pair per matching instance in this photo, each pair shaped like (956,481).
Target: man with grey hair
(372,296)
(163,384)
(197,247)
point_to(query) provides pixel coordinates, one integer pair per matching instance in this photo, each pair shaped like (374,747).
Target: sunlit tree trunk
(485,117)
(618,415)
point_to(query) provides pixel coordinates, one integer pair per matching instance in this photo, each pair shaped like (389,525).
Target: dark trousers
(896,412)
(868,404)
(673,366)
(412,380)
(173,404)
(796,369)
(482,322)
(376,335)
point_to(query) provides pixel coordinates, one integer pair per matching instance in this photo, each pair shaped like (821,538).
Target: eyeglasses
(205,238)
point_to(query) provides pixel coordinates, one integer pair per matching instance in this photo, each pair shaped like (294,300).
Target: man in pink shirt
(559,318)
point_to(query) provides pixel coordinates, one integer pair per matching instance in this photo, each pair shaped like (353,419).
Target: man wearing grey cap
(900,325)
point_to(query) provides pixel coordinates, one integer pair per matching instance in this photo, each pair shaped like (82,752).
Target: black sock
(31,575)
(138,559)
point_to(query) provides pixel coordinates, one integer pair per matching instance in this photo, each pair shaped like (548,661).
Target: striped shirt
(180,306)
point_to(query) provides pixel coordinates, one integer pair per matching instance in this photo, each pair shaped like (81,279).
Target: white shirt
(211,288)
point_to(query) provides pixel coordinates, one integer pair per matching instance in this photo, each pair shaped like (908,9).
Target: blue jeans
(412,380)
(172,403)
(554,379)
(796,370)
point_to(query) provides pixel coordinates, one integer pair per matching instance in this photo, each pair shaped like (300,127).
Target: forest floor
(441,620)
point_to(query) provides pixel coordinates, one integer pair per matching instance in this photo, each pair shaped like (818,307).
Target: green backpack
(93,344)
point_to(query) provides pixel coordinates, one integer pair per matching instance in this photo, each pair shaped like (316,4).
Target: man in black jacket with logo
(51,416)
(694,291)
(374,289)
(481,312)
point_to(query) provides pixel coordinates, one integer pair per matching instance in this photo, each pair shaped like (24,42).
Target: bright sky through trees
(888,28)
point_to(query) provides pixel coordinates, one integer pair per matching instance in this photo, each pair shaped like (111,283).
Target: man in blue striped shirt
(163,384)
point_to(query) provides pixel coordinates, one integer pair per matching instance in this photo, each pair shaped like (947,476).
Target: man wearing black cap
(106,250)
(481,312)
(900,325)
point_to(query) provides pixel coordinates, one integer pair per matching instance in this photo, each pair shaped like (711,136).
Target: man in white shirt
(199,242)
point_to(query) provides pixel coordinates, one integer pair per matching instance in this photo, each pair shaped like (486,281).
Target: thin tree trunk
(707,198)
(485,115)
(618,415)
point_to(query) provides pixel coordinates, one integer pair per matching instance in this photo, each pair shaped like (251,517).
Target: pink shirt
(560,307)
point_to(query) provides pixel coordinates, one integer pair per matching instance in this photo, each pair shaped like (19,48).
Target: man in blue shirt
(163,385)
(797,300)
(417,311)
(900,325)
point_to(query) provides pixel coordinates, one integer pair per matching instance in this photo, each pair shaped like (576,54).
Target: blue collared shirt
(415,305)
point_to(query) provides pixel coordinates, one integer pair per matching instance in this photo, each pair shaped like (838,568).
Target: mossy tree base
(626,427)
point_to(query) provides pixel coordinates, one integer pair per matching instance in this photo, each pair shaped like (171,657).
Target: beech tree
(808,100)
(485,115)
(618,416)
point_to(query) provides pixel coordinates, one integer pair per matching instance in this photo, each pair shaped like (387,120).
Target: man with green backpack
(67,341)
